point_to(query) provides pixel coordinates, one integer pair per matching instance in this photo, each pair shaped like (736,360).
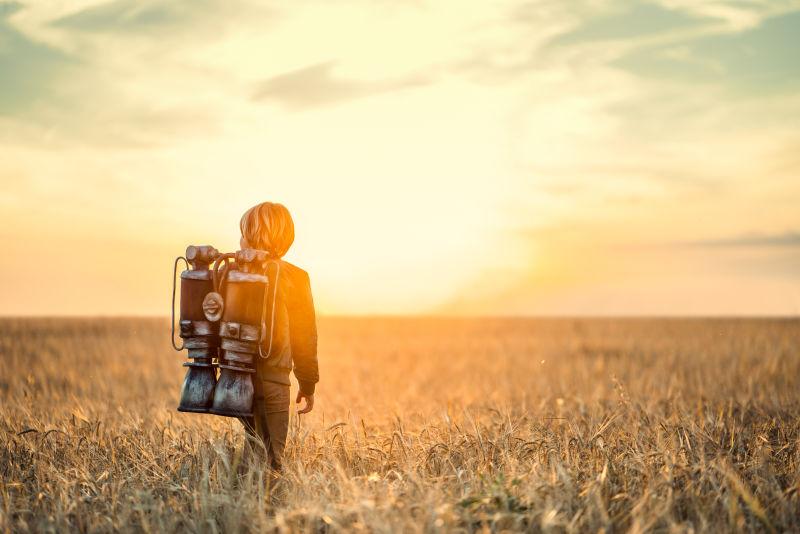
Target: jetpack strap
(274,286)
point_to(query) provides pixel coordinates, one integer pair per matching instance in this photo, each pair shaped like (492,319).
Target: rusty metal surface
(201,254)
(238,346)
(243,332)
(239,368)
(198,328)
(196,275)
(197,392)
(233,396)
(213,306)
(251,255)
(240,276)
(240,334)
(243,358)
(206,353)
(200,343)
(205,328)
(239,296)
(200,364)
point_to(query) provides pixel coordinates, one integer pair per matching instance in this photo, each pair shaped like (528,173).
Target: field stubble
(420,425)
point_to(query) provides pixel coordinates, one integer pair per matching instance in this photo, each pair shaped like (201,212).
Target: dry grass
(421,425)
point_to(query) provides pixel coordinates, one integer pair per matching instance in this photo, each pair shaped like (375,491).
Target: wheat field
(420,425)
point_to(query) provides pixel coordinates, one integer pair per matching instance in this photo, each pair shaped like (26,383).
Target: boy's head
(267,226)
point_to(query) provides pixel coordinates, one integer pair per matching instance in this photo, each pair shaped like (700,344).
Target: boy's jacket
(295,331)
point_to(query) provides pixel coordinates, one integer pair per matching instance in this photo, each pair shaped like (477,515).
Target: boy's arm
(303,332)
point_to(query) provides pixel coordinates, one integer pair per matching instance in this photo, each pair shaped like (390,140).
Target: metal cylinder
(240,335)
(200,335)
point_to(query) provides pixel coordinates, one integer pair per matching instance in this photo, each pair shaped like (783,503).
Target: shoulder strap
(274,286)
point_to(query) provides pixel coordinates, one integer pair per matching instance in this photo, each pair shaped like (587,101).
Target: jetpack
(227,315)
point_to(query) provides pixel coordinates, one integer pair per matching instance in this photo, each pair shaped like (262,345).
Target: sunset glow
(448,157)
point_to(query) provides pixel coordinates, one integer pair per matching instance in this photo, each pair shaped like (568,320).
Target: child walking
(269,227)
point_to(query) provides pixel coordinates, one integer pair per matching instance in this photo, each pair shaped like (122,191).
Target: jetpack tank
(199,327)
(246,329)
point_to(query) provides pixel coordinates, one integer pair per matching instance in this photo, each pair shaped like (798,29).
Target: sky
(444,157)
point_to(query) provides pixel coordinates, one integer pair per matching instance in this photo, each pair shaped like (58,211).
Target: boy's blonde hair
(268,226)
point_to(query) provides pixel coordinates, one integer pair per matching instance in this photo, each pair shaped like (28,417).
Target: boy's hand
(309,402)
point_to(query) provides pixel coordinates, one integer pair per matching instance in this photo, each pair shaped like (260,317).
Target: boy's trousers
(270,421)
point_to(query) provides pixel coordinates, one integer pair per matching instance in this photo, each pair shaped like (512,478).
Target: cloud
(79,92)
(743,47)
(317,85)
(125,15)
(628,21)
(768,256)
(753,60)
(29,70)
(144,17)
(784,240)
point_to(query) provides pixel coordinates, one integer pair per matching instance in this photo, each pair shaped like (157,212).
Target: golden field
(420,425)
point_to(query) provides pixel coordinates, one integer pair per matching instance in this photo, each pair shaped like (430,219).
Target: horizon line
(444,316)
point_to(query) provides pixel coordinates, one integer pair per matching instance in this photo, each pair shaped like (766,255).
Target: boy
(269,227)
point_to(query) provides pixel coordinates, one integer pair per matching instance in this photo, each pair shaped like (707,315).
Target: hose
(172,309)
(219,275)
